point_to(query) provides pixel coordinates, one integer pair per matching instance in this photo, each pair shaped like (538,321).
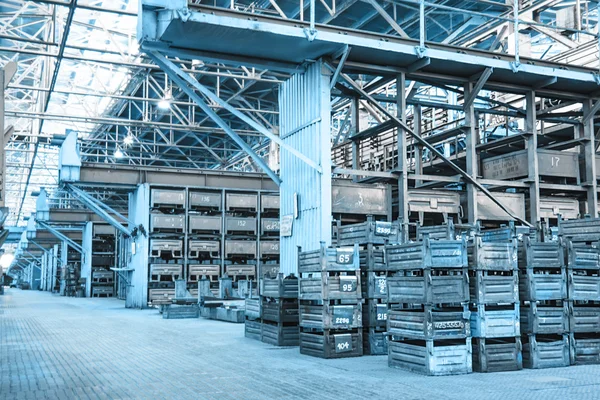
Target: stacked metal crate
(241,236)
(269,235)
(428,312)
(252,323)
(330,303)
(370,236)
(581,238)
(167,233)
(205,224)
(103,259)
(279,310)
(544,312)
(494,287)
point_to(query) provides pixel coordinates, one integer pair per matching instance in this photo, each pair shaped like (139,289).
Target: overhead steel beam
(173,71)
(61,236)
(432,148)
(179,78)
(477,87)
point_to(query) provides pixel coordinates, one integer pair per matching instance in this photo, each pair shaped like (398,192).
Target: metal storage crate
(374,314)
(203,271)
(428,287)
(449,357)
(280,335)
(329,259)
(508,233)
(495,322)
(102,276)
(330,286)
(496,355)
(429,323)
(241,202)
(545,319)
(237,271)
(279,287)
(160,296)
(584,285)
(330,344)
(448,231)
(585,349)
(370,232)
(253,329)
(497,256)
(375,343)
(280,310)
(433,201)
(581,256)
(580,230)
(360,199)
(494,286)
(163,248)
(328,316)
(102,291)
(269,203)
(269,249)
(240,225)
(540,254)
(269,270)
(374,285)
(204,248)
(269,227)
(545,351)
(165,272)
(172,198)
(372,259)
(240,248)
(167,223)
(205,225)
(584,318)
(205,201)
(426,254)
(540,284)
(253,309)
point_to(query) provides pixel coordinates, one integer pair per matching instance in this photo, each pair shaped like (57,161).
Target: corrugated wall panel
(304,106)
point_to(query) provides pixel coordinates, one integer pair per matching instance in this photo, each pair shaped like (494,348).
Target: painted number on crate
(382,316)
(344,256)
(272,226)
(449,325)
(205,199)
(383,229)
(343,346)
(347,287)
(241,222)
(381,286)
(342,321)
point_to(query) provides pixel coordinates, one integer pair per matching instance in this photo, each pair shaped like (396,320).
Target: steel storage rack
(371,236)
(330,301)
(494,289)
(543,296)
(103,259)
(428,322)
(583,287)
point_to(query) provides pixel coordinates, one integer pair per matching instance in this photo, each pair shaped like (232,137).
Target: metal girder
(485,75)
(104,211)
(171,69)
(591,112)
(426,144)
(381,11)
(61,236)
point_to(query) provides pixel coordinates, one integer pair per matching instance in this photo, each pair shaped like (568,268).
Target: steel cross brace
(426,144)
(104,212)
(48,252)
(171,69)
(61,236)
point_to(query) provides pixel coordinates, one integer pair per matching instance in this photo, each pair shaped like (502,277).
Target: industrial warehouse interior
(300,199)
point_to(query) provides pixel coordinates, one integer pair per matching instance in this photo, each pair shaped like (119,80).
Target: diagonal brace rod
(170,68)
(60,236)
(426,144)
(477,87)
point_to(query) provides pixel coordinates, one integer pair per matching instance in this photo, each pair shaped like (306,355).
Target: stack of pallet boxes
(370,236)
(494,287)
(330,300)
(279,310)
(583,271)
(543,294)
(167,232)
(428,307)
(241,241)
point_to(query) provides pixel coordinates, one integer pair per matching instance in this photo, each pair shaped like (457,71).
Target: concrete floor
(69,348)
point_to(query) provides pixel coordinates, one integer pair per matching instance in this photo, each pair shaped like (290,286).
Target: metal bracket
(420,51)
(514,66)
(310,34)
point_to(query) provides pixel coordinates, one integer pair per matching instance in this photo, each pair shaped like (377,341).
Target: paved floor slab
(69,348)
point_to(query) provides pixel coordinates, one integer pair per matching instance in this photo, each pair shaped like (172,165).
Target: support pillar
(591,184)
(471,152)
(418,149)
(402,164)
(355,128)
(532,157)
(305,192)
